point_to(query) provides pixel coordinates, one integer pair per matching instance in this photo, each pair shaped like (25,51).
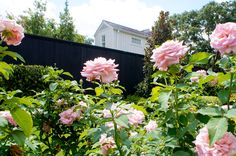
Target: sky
(88,14)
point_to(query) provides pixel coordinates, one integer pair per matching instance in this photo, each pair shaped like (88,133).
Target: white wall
(120,40)
(108,37)
(123,41)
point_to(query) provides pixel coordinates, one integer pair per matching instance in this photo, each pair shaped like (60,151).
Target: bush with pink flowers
(16,123)
(181,116)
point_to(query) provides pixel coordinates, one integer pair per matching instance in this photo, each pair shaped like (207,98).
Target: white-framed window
(136,41)
(103,40)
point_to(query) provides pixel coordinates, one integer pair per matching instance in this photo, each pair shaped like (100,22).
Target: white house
(115,36)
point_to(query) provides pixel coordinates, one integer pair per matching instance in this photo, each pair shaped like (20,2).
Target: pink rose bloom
(226,146)
(69,116)
(106,113)
(201,72)
(194,79)
(106,143)
(61,102)
(223,38)
(111,125)
(151,126)
(100,69)
(167,54)
(83,104)
(213,82)
(11,32)
(135,117)
(8,117)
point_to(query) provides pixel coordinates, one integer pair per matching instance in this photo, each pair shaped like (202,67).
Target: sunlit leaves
(23,119)
(199,58)
(217,127)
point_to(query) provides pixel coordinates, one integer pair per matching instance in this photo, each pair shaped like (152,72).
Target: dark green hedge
(27,78)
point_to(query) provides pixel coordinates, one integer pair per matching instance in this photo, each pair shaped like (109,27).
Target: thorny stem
(116,135)
(176,108)
(230,89)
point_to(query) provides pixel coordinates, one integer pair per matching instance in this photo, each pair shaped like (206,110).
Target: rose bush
(14,110)
(192,113)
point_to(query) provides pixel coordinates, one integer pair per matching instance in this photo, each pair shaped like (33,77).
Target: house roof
(144,33)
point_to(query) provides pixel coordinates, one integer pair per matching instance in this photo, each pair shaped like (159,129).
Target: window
(136,40)
(103,41)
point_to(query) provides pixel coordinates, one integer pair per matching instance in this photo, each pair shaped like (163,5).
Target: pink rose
(100,69)
(11,32)
(106,143)
(213,82)
(135,117)
(167,54)
(201,72)
(69,116)
(83,104)
(226,146)
(223,38)
(151,126)
(106,113)
(194,79)
(8,117)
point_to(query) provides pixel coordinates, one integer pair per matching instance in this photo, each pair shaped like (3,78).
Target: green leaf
(223,77)
(101,101)
(181,153)
(5,69)
(124,138)
(231,113)
(188,68)
(19,137)
(173,69)
(163,99)
(98,91)
(67,74)
(3,48)
(14,55)
(61,153)
(210,111)
(206,79)
(217,127)
(23,119)
(116,91)
(224,62)
(155,93)
(3,122)
(53,86)
(223,96)
(199,58)
(140,108)
(122,121)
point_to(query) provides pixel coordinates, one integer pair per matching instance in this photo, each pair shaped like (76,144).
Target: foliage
(194,27)
(67,119)
(35,22)
(161,32)
(27,78)
(16,123)
(66,30)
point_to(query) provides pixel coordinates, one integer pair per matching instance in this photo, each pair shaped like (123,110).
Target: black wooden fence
(71,56)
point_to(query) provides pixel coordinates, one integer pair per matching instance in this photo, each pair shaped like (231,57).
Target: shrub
(27,78)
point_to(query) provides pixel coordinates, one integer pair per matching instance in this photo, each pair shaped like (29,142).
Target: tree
(66,30)
(161,32)
(35,22)
(195,27)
